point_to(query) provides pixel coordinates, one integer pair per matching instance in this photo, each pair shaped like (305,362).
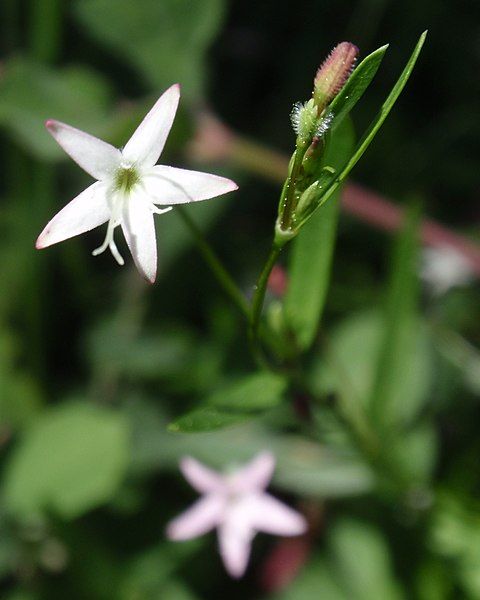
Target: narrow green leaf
(379,119)
(356,85)
(255,392)
(312,253)
(401,321)
(206,418)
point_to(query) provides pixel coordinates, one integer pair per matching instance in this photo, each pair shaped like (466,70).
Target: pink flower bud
(333,73)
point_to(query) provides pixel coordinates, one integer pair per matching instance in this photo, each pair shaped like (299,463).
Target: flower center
(126,178)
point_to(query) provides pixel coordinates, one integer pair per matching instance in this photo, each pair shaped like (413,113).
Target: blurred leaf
(233,403)
(71,460)
(147,577)
(206,419)
(315,579)
(113,345)
(401,323)
(303,466)
(414,453)
(433,581)
(166,41)
(30,93)
(312,254)
(362,557)
(20,396)
(356,85)
(351,360)
(260,391)
(455,535)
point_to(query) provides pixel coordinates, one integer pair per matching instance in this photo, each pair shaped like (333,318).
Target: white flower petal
(96,157)
(139,231)
(200,477)
(88,210)
(269,515)
(235,542)
(169,185)
(255,475)
(204,515)
(147,142)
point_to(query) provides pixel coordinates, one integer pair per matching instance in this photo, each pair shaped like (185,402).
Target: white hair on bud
(295,116)
(304,118)
(324,124)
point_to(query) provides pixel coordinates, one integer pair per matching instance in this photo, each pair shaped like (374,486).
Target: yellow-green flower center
(126,178)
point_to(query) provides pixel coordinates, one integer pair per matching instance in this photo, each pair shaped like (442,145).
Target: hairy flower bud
(333,73)
(304,120)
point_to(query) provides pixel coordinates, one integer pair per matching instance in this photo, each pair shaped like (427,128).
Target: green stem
(223,276)
(289,203)
(44,42)
(260,289)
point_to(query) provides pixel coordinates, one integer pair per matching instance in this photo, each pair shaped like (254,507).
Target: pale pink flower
(237,505)
(129,186)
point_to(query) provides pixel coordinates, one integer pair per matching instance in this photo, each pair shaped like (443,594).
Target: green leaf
(312,254)
(317,575)
(379,119)
(206,419)
(401,321)
(356,85)
(260,391)
(363,561)
(303,466)
(166,41)
(414,453)
(351,359)
(72,460)
(30,93)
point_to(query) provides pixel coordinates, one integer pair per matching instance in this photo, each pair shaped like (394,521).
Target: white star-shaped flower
(129,186)
(238,506)
(443,268)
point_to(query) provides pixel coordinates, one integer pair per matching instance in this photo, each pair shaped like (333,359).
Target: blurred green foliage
(374,427)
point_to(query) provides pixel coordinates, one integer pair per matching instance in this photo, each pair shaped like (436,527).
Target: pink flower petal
(255,475)
(88,210)
(139,230)
(204,515)
(235,540)
(147,142)
(199,476)
(96,157)
(169,185)
(269,515)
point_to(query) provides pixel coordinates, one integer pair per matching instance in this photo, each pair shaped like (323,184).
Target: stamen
(109,242)
(160,211)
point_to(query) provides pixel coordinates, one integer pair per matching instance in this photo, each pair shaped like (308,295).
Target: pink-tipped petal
(203,516)
(199,476)
(147,142)
(269,515)
(169,185)
(255,475)
(88,210)
(96,157)
(235,542)
(139,230)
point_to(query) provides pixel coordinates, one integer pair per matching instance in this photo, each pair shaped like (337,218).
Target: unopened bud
(333,74)
(312,196)
(304,120)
